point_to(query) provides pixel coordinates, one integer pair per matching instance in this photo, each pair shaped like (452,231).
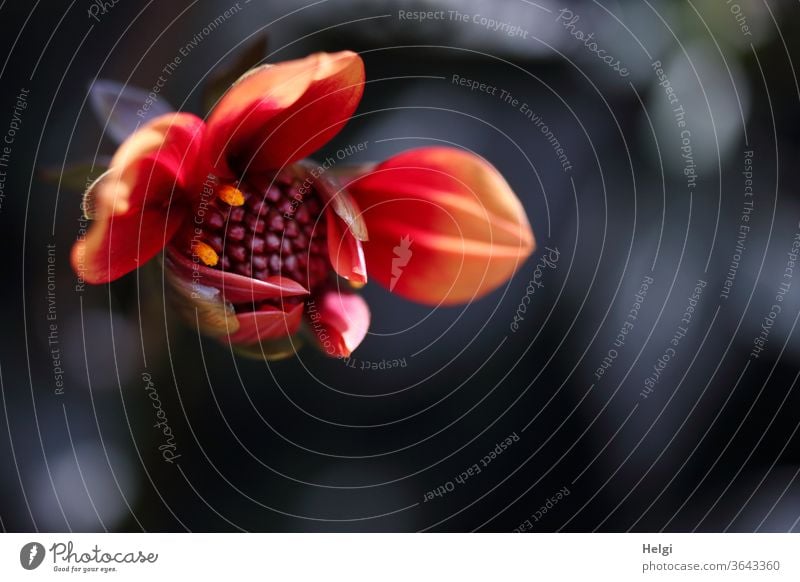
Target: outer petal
(277,114)
(139,203)
(117,245)
(445,227)
(339,322)
(268,323)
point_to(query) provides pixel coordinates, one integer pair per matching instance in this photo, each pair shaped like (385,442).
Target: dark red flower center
(262,226)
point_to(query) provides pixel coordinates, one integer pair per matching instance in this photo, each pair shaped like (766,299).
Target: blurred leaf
(121,109)
(244,59)
(76,176)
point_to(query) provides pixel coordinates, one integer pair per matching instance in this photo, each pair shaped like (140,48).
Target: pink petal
(339,322)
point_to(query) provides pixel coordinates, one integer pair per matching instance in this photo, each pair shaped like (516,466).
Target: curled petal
(338,198)
(236,288)
(345,226)
(277,114)
(268,323)
(445,227)
(339,322)
(345,250)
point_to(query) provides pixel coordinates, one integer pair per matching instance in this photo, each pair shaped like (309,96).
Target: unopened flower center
(263,226)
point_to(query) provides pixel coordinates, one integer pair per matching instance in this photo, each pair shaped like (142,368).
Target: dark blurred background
(312,444)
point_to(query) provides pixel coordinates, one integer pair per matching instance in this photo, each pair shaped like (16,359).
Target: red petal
(236,288)
(444,225)
(151,169)
(339,322)
(117,245)
(277,114)
(266,324)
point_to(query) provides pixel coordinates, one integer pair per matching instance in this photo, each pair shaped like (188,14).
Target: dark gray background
(312,445)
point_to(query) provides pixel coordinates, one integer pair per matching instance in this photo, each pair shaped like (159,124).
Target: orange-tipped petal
(138,204)
(268,323)
(277,114)
(445,227)
(339,322)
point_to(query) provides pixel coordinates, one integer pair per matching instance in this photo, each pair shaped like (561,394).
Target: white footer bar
(401,557)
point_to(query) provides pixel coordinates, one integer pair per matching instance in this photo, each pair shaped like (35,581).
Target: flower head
(254,236)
